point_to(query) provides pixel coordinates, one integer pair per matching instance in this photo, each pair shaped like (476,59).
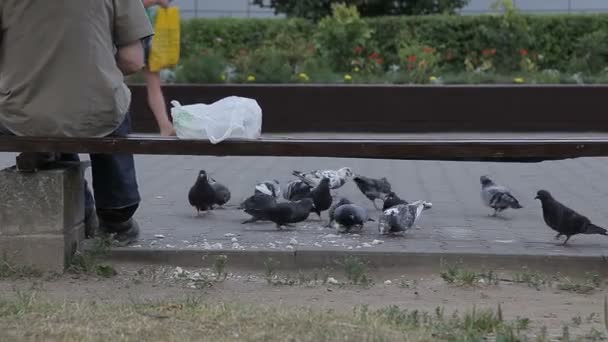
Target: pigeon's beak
(536,197)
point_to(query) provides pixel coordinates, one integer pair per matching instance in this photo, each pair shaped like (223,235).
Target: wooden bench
(498,147)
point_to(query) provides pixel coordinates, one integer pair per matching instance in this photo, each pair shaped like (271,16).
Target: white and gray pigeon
(496,196)
(349,216)
(270,188)
(402,217)
(337,178)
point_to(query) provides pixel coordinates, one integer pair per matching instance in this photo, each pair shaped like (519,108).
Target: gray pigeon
(296,190)
(564,220)
(332,209)
(271,188)
(337,178)
(256,206)
(351,215)
(201,195)
(497,197)
(373,189)
(222,194)
(401,217)
(283,214)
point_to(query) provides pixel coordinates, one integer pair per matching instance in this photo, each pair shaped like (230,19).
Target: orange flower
(427,49)
(523,52)
(358,50)
(488,52)
(380,61)
(374,55)
(412,58)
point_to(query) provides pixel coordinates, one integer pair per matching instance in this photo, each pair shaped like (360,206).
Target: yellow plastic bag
(164,52)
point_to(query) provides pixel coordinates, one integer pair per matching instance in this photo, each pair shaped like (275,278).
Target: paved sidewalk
(457,223)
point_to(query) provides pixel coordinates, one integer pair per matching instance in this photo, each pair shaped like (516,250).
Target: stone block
(42,216)
(44,202)
(43,252)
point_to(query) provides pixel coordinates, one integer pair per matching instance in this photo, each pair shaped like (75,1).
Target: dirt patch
(551,305)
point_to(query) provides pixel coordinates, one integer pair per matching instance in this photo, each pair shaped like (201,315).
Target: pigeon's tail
(506,200)
(593,229)
(516,205)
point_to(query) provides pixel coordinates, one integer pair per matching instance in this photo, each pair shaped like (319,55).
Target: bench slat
(486,147)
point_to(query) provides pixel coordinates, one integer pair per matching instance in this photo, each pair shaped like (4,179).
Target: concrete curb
(377,260)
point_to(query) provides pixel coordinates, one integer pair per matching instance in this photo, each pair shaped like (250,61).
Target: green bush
(339,36)
(208,67)
(380,49)
(591,53)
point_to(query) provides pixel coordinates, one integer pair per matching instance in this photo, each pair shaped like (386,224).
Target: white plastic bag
(231,117)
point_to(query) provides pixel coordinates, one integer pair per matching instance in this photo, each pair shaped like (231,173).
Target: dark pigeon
(257,206)
(497,197)
(372,188)
(332,209)
(286,213)
(392,200)
(296,190)
(201,195)
(564,220)
(321,197)
(351,215)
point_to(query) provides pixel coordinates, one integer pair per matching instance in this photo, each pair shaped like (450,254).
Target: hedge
(555,40)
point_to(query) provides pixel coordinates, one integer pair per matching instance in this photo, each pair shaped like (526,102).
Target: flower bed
(508,48)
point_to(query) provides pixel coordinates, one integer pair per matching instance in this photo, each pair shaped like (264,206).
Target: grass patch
(356,271)
(457,275)
(586,285)
(192,319)
(10,271)
(270,269)
(89,261)
(219,267)
(532,279)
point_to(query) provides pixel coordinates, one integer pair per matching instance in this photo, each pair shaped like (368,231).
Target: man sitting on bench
(62,67)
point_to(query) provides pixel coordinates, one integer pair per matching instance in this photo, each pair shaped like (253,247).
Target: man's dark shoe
(125,233)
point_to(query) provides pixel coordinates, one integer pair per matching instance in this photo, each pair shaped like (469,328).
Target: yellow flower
(250,78)
(303,77)
(348,77)
(519,80)
(432,78)
(356,69)
(223,77)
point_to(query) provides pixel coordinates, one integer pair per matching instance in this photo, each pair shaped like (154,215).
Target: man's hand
(163,3)
(167,130)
